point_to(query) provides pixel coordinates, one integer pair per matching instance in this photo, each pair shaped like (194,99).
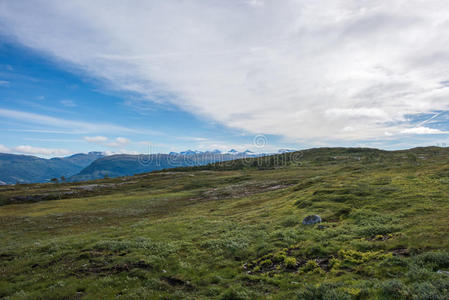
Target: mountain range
(27,169)
(216,151)
(95,165)
(126,165)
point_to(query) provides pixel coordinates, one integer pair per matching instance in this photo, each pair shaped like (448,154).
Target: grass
(236,232)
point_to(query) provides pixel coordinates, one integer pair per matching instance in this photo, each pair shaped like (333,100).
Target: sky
(160,76)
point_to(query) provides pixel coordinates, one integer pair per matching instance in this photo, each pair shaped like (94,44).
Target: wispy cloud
(119,142)
(122,151)
(68,103)
(192,138)
(53,140)
(423,130)
(74,126)
(4,83)
(27,149)
(43,131)
(95,139)
(340,70)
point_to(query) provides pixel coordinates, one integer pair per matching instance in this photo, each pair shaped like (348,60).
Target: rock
(322,227)
(312,219)
(443,272)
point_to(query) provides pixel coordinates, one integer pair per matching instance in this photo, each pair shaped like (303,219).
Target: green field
(235,232)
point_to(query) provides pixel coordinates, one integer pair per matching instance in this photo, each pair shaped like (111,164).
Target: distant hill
(29,169)
(216,151)
(320,156)
(126,165)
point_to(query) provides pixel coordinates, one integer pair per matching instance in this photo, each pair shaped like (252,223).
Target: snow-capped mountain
(280,151)
(190,152)
(234,152)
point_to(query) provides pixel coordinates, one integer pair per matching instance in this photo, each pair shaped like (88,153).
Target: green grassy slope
(236,232)
(26,169)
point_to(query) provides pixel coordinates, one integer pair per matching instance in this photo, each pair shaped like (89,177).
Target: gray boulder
(312,219)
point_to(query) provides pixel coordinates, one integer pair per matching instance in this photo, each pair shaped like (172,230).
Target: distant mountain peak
(285,150)
(232,151)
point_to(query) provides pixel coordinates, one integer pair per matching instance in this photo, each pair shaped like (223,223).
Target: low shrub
(393,289)
(377,229)
(290,262)
(290,221)
(434,260)
(310,266)
(437,289)
(236,293)
(324,291)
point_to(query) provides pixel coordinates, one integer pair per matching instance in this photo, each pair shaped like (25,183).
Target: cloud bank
(27,149)
(306,70)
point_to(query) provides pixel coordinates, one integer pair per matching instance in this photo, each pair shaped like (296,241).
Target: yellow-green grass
(237,234)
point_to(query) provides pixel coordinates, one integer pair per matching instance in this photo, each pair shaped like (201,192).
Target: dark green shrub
(325,291)
(418,273)
(290,221)
(365,218)
(236,293)
(435,290)
(434,259)
(395,261)
(373,230)
(393,289)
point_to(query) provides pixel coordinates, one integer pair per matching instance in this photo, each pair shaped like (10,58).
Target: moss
(310,265)
(279,256)
(266,263)
(357,257)
(290,262)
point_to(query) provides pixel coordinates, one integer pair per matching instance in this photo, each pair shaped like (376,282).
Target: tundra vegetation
(234,230)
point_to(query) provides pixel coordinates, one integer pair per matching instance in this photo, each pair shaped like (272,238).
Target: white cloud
(302,69)
(119,142)
(26,149)
(423,130)
(121,151)
(122,140)
(4,83)
(68,103)
(356,113)
(73,126)
(4,148)
(95,139)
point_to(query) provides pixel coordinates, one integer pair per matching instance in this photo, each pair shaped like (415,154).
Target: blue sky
(106,76)
(38,94)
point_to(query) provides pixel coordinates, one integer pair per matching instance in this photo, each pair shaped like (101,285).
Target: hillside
(126,165)
(27,169)
(234,230)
